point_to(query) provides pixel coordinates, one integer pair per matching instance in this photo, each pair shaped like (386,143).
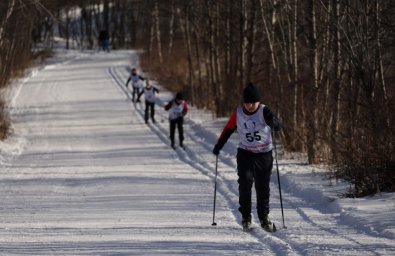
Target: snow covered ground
(82,174)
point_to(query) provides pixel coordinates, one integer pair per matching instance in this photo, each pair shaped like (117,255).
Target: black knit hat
(250,94)
(179,96)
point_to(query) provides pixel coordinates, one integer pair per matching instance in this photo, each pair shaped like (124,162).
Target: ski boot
(267,225)
(246,223)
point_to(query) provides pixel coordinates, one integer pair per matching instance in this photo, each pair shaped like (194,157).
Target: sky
(82,174)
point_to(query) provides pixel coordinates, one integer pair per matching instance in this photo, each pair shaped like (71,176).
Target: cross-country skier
(104,40)
(177,108)
(135,78)
(254,122)
(149,94)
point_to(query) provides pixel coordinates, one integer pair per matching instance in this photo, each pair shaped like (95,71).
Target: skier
(253,122)
(149,93)
(104,40)
(177,108)
(135,78)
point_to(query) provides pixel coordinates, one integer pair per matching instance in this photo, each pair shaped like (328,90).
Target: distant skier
(104,40)
(177,108)
(135,78)
(150,96)
(254,122)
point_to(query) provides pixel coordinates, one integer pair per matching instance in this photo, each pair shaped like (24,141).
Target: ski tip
(270,228)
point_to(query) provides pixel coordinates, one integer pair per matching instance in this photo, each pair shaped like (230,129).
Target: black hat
(179,96)
(250,94)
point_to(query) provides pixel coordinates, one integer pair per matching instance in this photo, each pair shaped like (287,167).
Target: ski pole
(215,190)
(278,179)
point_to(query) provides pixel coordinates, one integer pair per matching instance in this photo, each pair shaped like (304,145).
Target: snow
(82,174)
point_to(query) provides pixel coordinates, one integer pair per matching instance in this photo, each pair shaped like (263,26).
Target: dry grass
(43,54)
(172,73)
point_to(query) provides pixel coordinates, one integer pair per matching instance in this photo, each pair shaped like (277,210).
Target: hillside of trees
(325,67)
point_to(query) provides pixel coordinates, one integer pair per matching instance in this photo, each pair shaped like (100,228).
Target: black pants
(149,106)
(135,92)
(178,122)
(254,168)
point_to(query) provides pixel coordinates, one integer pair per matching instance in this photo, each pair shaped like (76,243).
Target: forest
(325,67)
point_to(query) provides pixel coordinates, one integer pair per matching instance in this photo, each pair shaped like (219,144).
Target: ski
(271,228)
(180,148)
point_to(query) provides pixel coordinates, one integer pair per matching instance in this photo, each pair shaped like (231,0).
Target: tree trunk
(380,71)
(295,82)
(152,32)
(250,39)
(106,10)
(121,33)
(96,18)
(157,28)
(313,90)
(10,10)
(337,80)
(67,29)
(171,24)
(201,88)
(229,53)
(242,41)
(217,63)
(191,76)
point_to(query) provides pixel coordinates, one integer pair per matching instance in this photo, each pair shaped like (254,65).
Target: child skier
(149,92)
(254,122)
(177,108)
(135,78)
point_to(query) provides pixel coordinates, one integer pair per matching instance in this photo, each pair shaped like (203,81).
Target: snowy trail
(93,179)
(196,161)
(316,230)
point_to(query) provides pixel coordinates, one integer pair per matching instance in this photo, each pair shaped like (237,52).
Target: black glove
(216,150)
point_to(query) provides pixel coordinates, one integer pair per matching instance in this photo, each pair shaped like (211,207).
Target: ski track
(279,242)
(311,231)
(43,215)
(189,157)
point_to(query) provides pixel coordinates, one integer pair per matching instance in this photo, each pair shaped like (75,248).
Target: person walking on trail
(135,78)
(104,40)
(150,96)
(177,108)
(254,122)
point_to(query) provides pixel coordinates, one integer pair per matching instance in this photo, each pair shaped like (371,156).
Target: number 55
(251,136)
